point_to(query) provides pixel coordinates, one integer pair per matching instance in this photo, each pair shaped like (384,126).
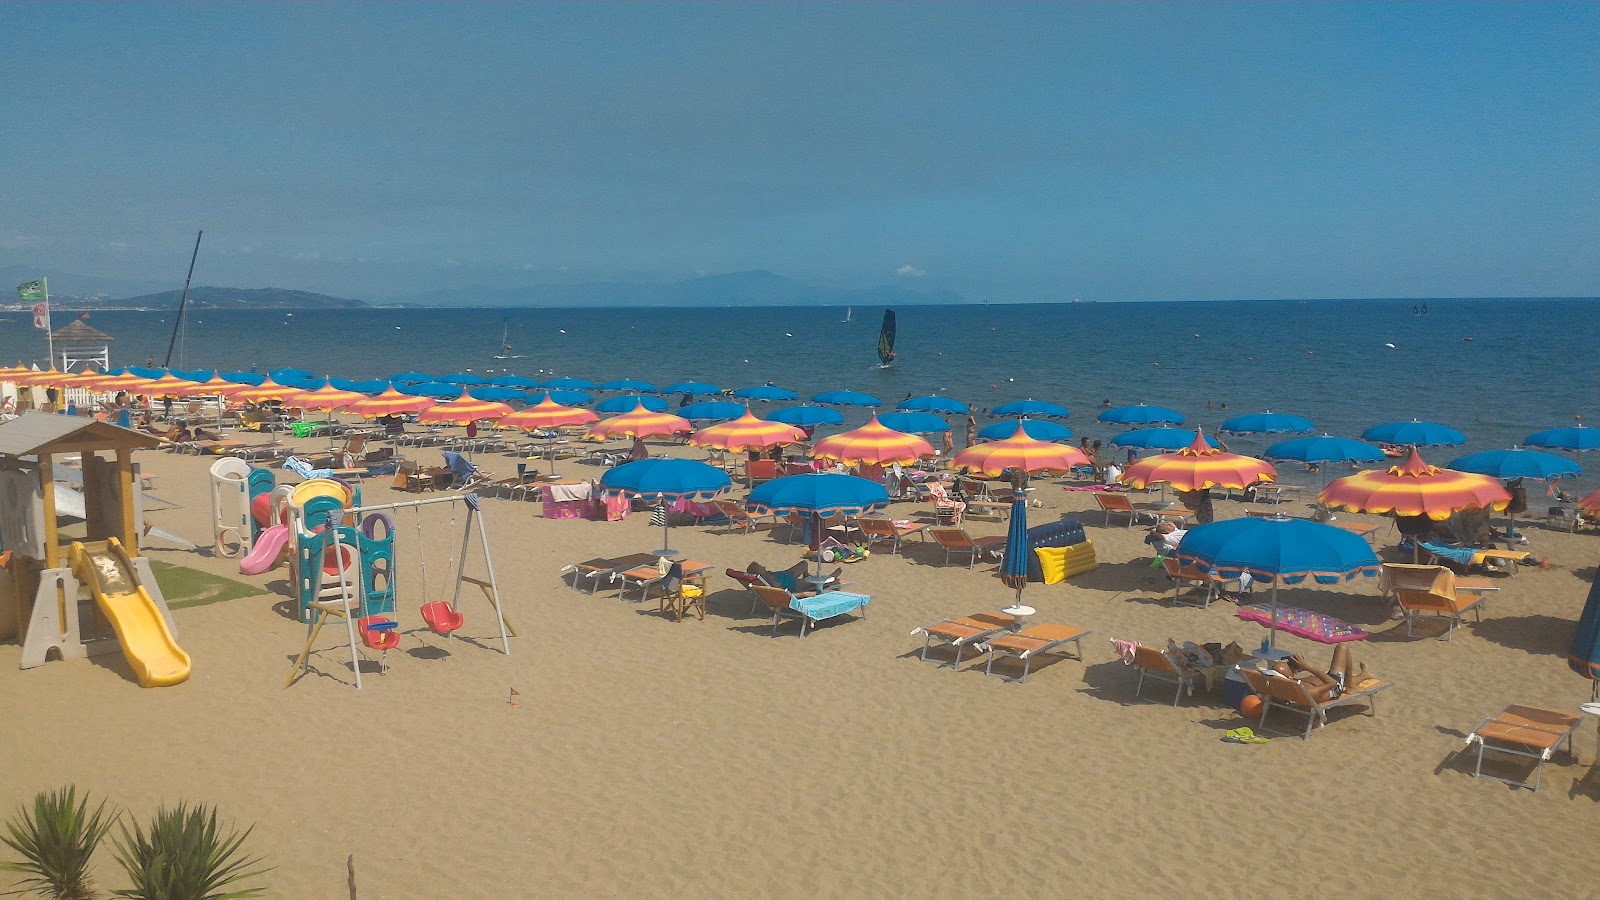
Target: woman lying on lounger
(789,579)
(1323,686)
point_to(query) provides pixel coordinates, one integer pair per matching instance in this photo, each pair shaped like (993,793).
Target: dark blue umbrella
(1267,423)
(1278,548)
(846,398)
(436,389)
(1414,433)
(913,422)
(1159,439)
(932,404)
(630,403)
(692,388)
(249,378)
(1031,407)
(496,392)
(766,392)
(1508,464)
(1038,429)
(817,495)
(375,386)
(1014,567)
(1584,655)
(1141,415)
(711,411)
(663,480)
(282,376)
(412,378)
(514,381)
(1577,437)
(565,398)
(1324,448)
(805,416)
(568,384)
(462,378)
(628,384)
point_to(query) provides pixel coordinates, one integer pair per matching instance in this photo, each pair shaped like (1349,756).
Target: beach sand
(705,758)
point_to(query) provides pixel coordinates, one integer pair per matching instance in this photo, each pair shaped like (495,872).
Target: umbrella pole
(1272,626)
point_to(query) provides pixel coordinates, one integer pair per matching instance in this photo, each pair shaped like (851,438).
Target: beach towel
(1125,650)
(303,469)
(1460,555)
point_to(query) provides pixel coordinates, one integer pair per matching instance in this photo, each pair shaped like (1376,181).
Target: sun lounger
(1527,731)
(875,529)
(1036,641)
(956,540)
(604,567)
(809,610)
(739,517)
(1120,504)
(1290,695)
(645,577)
(963,632)
(1193,576)
(1435,590)
(1155,665)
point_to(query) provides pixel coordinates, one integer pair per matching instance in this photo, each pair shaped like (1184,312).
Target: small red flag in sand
(514,693)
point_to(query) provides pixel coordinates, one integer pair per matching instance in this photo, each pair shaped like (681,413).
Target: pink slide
(267,552)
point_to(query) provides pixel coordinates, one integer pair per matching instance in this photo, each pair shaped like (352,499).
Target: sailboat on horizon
(848,312)
(505,343)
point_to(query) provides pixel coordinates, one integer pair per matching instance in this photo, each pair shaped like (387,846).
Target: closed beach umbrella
(1267,423)
(914,422)
(1414,434)
(250,378)
(411,378)
(692,388)
(665,480)
(463,411)
(768,392)
(1414,488)
(933,404)
(567,397)
(514,381)
(438,390)
(568,384)
(497,392)
(1584,654)
(1038,429)
(1198,466)
(1141,415)
(389,403)
(805,416)
(746,433)
(1038,409)
(817,495)
(640,423)
(462,378)
(1278,549)
(1021,453)
(628,384)
(1014,566)
(1508,464)
(1324,449)
(846,398)
(268,391)
(1159,438)
(1577,438)
(712,411)
(626,403)
(872,444)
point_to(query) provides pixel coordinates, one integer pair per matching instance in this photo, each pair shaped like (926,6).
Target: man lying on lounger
(789,579)
(1323,686)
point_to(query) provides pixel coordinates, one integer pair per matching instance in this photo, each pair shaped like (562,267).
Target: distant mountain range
(241,298)
(757,288)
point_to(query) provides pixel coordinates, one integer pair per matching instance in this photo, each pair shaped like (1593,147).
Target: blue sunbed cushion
(1462,555)
(826,606)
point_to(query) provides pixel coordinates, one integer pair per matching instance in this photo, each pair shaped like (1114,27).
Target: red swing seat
(378,632)
(441,617)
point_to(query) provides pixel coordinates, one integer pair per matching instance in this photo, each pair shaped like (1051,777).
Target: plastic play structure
(40,587)
(239,506)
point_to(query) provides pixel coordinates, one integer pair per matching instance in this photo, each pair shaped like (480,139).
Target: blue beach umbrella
(1508,464)
(412,378)
(1267,423)
(375,386)
(1278,548)
(1159,438)
(1038,429)
(629,384)
(692,388)
(284,376)
(1141,415)
(913,422)
(144,372)
(514,381)
(462,378)
(435,389)
(629,403)
(932,404)
(1584,654)
(1031,407)
(846,398)
(568,384)
(663,480)
(765,392)
(198,376)
(1014,566)
(343,384)
(805,416)
(1324,448)
(711,411)
(1414,433)
(817,495)
(1577,438)
(303,382)
(249,378)
(565,398)
(497,393)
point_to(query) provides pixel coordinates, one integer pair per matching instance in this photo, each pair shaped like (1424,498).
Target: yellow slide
(156,658)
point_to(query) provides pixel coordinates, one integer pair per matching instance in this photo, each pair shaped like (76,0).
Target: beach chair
(460,473)
(956,540)
(593,570)
(1114,503)
(963,632)
(1034,642)
(1157,666)
(1193,576)
(1291,696)
(1434,590)
(874,529)
(1531,732)
(647,576)
(809,610)
(759,470)
(409,477)
(738,517)
(682,592)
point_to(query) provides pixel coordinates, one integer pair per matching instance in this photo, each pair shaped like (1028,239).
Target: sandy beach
(704,758)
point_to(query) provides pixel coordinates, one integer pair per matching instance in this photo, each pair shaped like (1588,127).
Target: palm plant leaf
(185,856)
(56,840)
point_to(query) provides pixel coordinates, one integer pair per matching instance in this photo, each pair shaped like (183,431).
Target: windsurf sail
(886,339)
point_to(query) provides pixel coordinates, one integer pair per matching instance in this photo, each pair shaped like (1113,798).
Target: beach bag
(658,515)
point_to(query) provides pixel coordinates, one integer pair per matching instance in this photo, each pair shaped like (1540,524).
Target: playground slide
(267,551)
(156,658)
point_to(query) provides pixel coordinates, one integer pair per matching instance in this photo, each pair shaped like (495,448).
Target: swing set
(347,572)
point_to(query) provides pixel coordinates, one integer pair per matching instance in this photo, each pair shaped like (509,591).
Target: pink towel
(1125,650)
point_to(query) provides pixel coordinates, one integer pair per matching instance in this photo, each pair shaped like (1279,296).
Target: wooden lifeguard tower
(39,587)
(76,343)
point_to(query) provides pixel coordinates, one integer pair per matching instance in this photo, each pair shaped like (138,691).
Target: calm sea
(1494,369)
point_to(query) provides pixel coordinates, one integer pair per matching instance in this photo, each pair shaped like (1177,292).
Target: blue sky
(1010,152)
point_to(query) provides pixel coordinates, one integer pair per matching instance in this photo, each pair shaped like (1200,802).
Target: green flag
(35,291)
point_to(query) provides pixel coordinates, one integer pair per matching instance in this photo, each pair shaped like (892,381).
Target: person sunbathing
(1324,686)
(789,579)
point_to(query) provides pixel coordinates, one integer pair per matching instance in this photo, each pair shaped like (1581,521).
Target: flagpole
(49,333)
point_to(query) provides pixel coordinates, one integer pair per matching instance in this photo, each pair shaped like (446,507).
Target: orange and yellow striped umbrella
(390,403)
(216,387)
(85,379)
(168,385)
(872,444)
(1591,504)
(747,433)
(48,378)
(547,414)
(127,381)
(326,398)
(640,423)
(1198,466)
(1023,453)
(463,410)
(1414,488)
(267,392)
